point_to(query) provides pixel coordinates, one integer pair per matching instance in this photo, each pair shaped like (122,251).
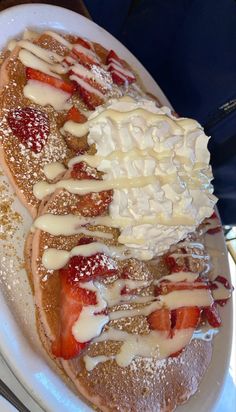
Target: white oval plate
(19,343)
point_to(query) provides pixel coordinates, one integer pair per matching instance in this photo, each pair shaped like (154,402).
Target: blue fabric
(189,46)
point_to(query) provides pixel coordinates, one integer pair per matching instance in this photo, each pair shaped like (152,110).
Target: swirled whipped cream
(137,139)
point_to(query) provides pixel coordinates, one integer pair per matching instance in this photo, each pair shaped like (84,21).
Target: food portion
(126,296)
(46,79)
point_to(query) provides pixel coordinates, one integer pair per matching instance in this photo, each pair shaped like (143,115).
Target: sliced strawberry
(120,74)
(83,43)
(95,204)
(30,126)
(82,170)
(75,115)
(186,317)
(160,320)
(85,59)
(73,298)
(175,267)
(66,86)
(212,315)
(166,287)
(91,100)
(89,268)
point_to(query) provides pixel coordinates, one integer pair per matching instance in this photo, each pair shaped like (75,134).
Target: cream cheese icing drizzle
(54,259)
(52,170)
(43,94)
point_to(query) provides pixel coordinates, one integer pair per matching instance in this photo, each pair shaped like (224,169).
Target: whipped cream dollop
(138,139)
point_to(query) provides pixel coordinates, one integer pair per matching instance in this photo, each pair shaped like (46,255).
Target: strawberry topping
(95,204)
(84,269)
(82,170)
(172,320)
(66,86)
(30,126)
(83,43)
(75,115)
(120,74)
(212,315)
(160,320)
(175,267)
(85,59)
(73,299)
(91,100)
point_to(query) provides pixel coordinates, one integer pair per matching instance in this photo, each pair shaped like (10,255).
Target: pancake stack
(126,301)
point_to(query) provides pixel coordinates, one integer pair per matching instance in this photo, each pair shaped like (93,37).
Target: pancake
(27,80)
(147,383)
(124,292)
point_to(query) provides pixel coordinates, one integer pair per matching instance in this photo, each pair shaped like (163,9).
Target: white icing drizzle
(112,293)
(55,259)
(44,54)
(88,326)
(155,344)
(67,225)
(87,52)
(44,94)
(59,38)
(202,334)
(30,60)
(52,170)
(179,298)
(82,187)
(142,311)
(178,277)
(92,362)
(80,130)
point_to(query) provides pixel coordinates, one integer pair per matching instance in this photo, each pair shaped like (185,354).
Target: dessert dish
(126,298)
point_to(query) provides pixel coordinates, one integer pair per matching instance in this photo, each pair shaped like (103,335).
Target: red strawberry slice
(73,298)
(160,320)
(170,321)
(89,268)
(84,58)
(83,43)
(166,287)
(212,315)
(95,204)
(186,317)
(30,126)
(66,86)
(82,170)
(120,74)
(91,100)
(75,115)
(92,204)
(175,267)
